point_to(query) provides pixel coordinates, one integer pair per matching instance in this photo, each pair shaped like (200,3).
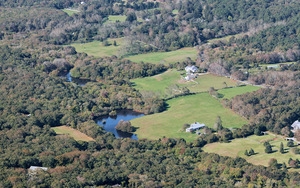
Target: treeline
(269,109)
(112,68)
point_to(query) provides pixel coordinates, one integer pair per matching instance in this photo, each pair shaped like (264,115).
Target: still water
(111,123)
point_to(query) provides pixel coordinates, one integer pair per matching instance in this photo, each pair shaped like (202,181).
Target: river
(111,123)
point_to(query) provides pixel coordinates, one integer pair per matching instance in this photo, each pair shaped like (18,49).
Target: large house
(191,69)
(295,126)
(195,126)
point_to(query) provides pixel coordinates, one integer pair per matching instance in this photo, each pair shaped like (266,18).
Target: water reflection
(111,123)
(78,81)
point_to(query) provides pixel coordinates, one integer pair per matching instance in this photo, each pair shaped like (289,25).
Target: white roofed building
(195,126)
(191,69)
(295,126)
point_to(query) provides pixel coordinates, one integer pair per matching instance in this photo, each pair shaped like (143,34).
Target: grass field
(238,146)
(97,48)
(188,109)
(231,92)
(114,18)
(70,12)
(77,135)
(209,80)
(165,57)
(160,82)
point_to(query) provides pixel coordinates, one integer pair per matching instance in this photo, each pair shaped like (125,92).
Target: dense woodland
(34,97)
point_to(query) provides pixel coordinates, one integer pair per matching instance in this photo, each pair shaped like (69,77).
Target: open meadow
(165,57)
(70,12)
(77,135)
(237,147)
(160,82)
(201,108)
(204,82)
(98,49)
(229,93)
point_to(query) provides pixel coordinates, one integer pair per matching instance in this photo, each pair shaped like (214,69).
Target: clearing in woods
(201,108)
(237,147)
(77,135)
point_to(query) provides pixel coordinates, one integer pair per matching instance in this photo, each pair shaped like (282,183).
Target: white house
(191,69)
(195,126)
(295,126)
(189,76)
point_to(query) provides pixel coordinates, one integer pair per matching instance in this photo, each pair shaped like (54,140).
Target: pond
(78,81)
(111,123)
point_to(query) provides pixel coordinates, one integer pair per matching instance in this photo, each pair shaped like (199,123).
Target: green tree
(268,149)
(246,153)
(281,148)
(115,43)
(131,17)
(251,152)
(218,124)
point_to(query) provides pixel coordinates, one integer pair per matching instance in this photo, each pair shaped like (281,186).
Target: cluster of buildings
(190,72)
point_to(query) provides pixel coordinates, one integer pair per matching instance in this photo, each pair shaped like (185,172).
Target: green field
(231,92)
(160,82)
(208,80)
(77,135)
(200,108)
(114,18)
(165,57)
(97,48)
(237,147)
(70,12)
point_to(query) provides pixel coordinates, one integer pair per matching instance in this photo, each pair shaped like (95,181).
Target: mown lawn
(208,80)
(160,82)
(231,92)
(77,135)
(97,49)
(165,57)
(200,108)
(70,12)
(237,147)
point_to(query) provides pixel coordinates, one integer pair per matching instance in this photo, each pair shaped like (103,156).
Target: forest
(235,38)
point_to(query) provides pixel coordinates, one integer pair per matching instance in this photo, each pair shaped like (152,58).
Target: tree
(268,149)
(290,144)
(218,124)
(131,17)
(115,43)
(281,148)
(273,163)
(246,153)
(251,152)
(284,166)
